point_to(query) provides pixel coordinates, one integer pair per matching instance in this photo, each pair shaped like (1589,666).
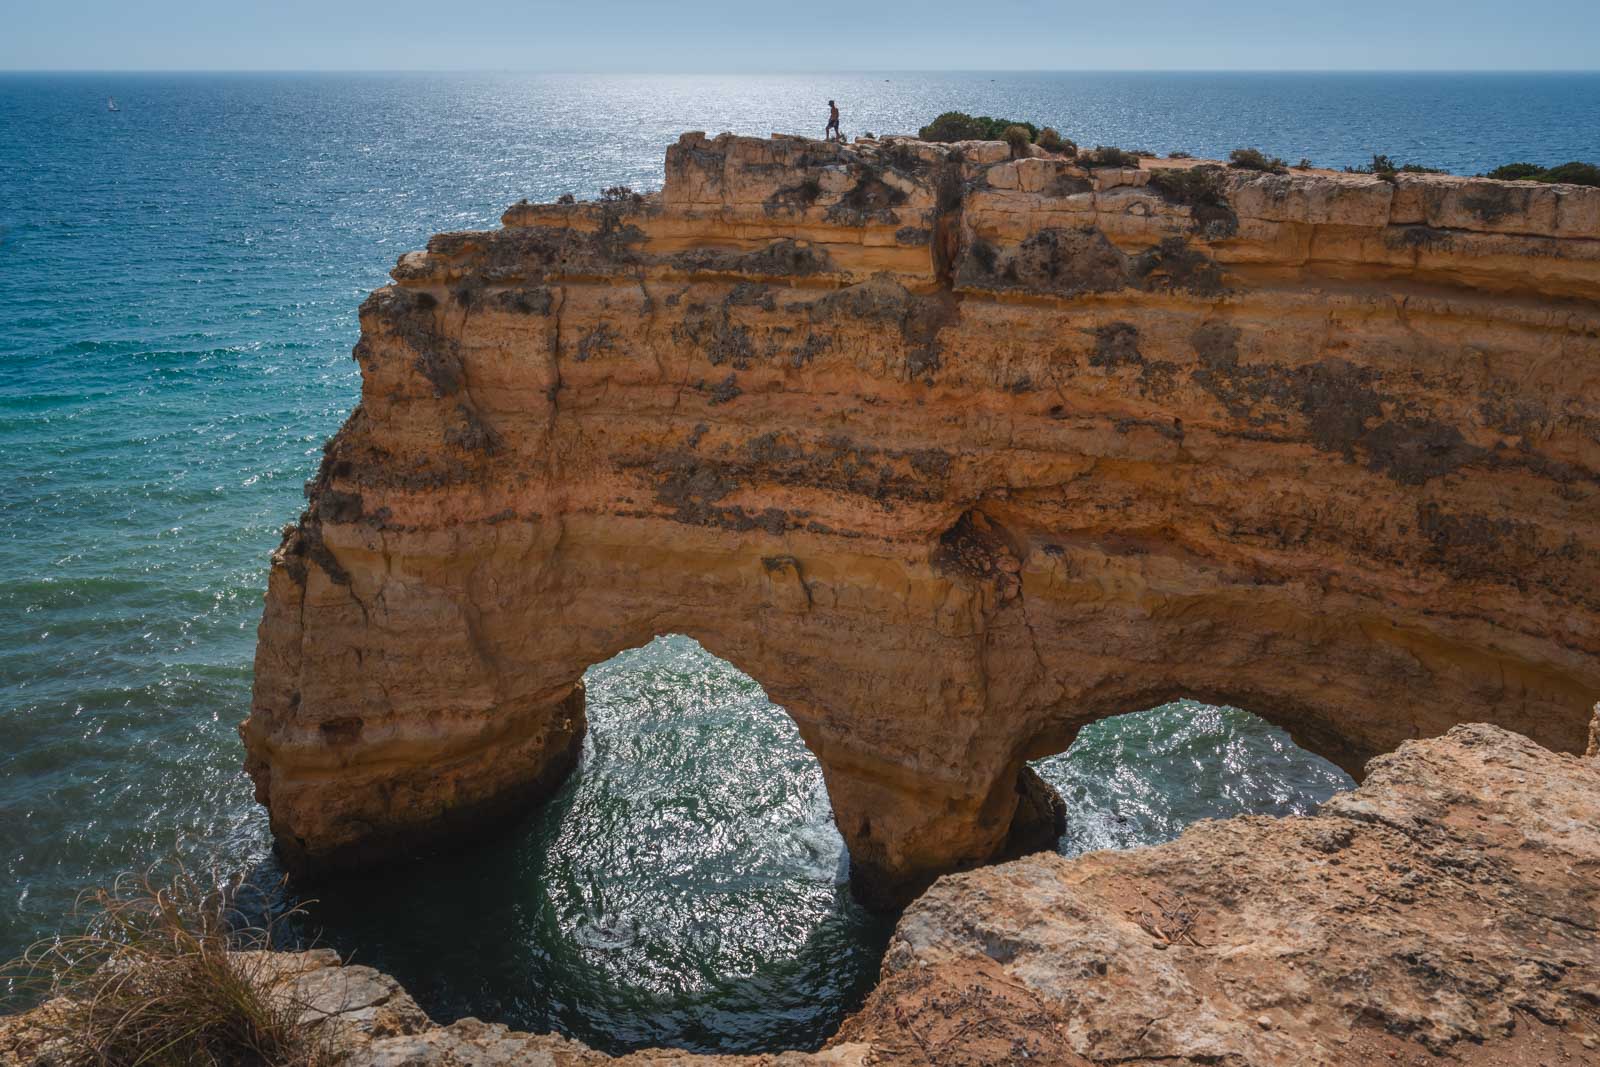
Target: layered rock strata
(1446,911)
(954,454)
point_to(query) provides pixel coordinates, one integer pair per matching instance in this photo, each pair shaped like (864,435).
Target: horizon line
(768,72)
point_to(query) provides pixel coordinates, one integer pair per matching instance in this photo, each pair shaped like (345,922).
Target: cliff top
(790,177)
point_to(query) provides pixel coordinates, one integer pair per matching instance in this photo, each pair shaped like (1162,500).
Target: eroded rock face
(954,454)
(1446,911)
(1449,907)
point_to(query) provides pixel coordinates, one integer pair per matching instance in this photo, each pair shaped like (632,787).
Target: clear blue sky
(796,35)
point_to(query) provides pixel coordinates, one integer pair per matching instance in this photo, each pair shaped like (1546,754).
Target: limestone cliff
(1446,911)
(954,454)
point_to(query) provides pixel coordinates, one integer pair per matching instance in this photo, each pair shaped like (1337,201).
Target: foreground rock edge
(1447,908)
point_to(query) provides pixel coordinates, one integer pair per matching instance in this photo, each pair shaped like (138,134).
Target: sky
(713,36)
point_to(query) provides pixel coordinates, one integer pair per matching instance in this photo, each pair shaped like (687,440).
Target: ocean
(178,290)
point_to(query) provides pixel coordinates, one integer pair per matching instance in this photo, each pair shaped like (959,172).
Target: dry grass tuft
(167,974)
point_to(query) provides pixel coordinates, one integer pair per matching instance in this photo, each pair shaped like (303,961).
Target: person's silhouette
(832,132)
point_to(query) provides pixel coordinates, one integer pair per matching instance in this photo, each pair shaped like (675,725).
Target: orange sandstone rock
(1448,910)
(954,454)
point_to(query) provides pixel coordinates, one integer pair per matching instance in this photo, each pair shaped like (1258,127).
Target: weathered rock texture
(1446,911)
(1450,907)
(954,454)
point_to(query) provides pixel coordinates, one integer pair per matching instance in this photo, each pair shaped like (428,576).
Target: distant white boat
(111,104)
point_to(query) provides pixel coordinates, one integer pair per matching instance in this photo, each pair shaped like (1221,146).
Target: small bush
(1180,155)
(960,126)
(1019,139)
(1513,172)
(1384,167)
(566,198)
(618,194)
(1108,156)
(165,973)
(1051,141)
(1573,173)
(1304,164)
(954,126)
(1255,159)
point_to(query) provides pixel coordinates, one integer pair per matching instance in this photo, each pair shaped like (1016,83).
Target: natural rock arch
(953,454)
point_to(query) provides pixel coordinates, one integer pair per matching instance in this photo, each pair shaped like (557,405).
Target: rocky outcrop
(954,454)
(1448,909)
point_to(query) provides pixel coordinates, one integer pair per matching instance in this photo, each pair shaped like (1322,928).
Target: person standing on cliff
(832,132)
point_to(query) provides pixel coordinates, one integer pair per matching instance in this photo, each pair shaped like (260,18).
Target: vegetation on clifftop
(1574,173)
(1051,141)
(1255,159)
(1108,156)
(1384,167)
(1018,138)
(960,126)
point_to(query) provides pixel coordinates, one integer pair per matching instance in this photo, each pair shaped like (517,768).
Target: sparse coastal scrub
(1386,168)
(1018,138)
(1109,156)
(1051,141)
(1255,159)
(1574,173)
(960,126)
(165,971)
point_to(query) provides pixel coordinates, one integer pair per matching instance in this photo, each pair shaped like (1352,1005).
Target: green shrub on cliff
(1574,173)
(960,126)
(954,126)
(165,973)
(1255,159)
(1018,138)
(1516,172)
(1383,166)
(1051,141)
(1108,156)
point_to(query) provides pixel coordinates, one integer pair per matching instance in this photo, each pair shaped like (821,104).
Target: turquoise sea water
(178,285)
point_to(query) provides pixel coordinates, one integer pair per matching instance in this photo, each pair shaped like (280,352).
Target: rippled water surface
(178,285)
(687,885)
